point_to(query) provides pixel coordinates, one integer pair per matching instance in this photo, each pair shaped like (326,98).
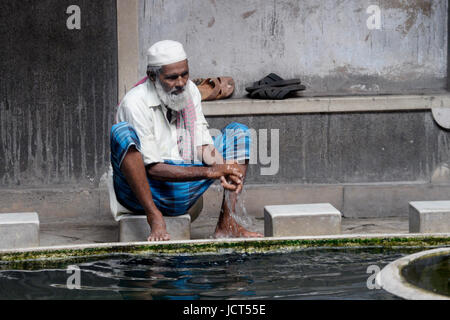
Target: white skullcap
(165,52)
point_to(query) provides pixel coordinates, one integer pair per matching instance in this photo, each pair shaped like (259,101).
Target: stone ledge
(302,220)
(371,200)
(429,217)
(384,103)
(135,228)
(19,230)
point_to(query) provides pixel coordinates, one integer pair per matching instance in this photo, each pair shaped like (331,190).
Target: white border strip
(208,241)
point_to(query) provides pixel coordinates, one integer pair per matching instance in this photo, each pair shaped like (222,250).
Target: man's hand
(230,175)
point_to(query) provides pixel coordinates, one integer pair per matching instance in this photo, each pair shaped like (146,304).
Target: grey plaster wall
(448,48)
(351,147)
(58,87)
(325,43)
(58,92)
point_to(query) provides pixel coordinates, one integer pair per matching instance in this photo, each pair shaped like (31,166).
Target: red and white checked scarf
(186,119)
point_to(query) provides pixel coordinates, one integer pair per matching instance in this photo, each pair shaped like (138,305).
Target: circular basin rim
(392,280)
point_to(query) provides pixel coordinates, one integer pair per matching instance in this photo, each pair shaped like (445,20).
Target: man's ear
(151,76)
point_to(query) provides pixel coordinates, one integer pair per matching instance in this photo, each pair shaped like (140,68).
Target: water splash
(239,211)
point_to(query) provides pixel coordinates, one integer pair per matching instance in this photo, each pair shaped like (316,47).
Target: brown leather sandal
(209,88)
(227,86)
(215,88)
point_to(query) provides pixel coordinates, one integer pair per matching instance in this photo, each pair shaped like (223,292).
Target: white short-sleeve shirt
(143,110)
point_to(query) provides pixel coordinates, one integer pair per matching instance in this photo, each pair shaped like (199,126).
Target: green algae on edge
(222,247)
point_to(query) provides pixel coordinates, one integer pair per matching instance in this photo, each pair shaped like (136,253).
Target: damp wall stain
(412,9)
(58,92)
(248,14)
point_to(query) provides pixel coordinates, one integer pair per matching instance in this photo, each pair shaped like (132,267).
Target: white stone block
(302,220)
(429,217)
(19,230)
(135,228)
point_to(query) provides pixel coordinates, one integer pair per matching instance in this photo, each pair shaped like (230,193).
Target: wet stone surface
(81,232)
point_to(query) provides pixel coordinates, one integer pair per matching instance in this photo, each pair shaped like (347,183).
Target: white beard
(173,101)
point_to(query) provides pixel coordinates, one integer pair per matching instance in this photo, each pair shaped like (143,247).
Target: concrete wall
(351,147)
(326,43)
(59,88)
(448,48)
(58,92)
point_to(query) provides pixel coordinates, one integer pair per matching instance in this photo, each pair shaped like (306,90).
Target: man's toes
(158,237)
(255,235)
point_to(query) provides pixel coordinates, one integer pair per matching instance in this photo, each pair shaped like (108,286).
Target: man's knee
(237,142)
(238,132)
(123,137)
(239,127)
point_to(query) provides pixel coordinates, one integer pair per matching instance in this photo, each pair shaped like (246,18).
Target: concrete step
(19,230)
(302,220)
(375,201)
(429,217)
(134,228)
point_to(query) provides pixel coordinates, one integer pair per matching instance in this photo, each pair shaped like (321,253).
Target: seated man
(162,154)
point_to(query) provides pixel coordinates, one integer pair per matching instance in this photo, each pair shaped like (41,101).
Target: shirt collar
(152,97)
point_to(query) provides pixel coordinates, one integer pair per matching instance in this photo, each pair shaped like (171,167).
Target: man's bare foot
(158,228)
(231,229)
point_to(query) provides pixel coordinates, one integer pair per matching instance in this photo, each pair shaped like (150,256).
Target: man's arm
(216,170)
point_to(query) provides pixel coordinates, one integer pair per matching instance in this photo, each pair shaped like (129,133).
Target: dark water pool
(432,274)
(306,274)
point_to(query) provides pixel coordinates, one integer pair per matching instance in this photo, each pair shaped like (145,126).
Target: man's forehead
(178,67)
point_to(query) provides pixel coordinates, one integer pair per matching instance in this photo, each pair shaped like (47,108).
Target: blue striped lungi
(172,198)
